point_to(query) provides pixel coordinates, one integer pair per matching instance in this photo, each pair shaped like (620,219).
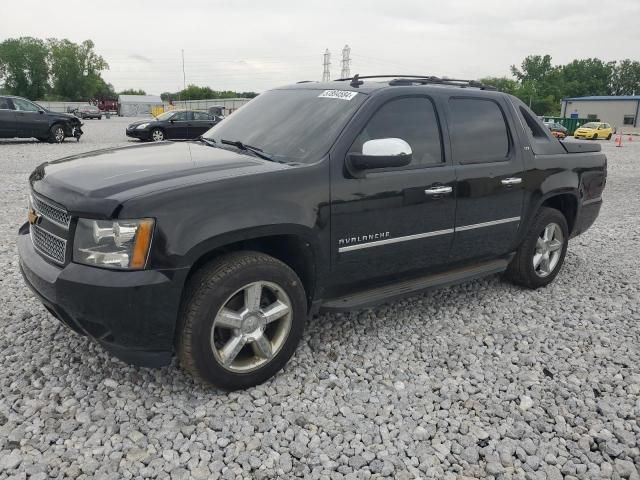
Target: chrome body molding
(487,224)
(395,240)
(426,234)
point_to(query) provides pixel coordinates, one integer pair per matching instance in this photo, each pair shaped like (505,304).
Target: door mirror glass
(382,153)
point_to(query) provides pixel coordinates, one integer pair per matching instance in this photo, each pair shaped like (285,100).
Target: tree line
(52,69)
(193,92)
(542,85)
(55,69)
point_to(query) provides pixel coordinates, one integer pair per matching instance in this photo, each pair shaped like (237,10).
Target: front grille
(48,244)
(55,214)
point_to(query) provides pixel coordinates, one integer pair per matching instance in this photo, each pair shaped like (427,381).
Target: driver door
(393,220)
(177,125)
(31,121)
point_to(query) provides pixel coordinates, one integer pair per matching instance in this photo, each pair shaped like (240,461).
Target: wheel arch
(566,202)
(293,246)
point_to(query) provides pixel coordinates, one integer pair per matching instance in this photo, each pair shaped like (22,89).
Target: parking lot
(480,380)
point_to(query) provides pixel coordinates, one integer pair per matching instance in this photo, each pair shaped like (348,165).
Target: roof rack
(356,81)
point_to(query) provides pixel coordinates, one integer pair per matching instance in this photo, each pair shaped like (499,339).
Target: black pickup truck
(312,197)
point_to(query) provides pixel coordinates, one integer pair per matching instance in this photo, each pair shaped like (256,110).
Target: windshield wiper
(209,141)
(255,150)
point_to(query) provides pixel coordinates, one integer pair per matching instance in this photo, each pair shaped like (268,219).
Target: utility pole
(326,74)
(346,62)
(184,75)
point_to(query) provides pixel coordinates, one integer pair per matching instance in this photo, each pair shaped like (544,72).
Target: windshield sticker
(339,94)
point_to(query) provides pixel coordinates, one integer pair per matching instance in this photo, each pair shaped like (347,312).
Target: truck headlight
(120,244)
(142,126)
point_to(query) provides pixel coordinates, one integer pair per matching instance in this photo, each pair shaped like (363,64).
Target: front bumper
(139,134)
(131,314)
(588,135)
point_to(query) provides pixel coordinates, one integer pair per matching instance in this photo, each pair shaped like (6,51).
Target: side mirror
(381,153)
(41,111)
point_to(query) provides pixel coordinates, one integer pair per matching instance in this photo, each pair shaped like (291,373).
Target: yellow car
(594,131)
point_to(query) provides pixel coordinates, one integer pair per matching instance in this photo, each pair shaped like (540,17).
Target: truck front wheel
(242,318)
(541,254)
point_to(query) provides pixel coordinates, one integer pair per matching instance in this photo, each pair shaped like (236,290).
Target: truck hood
(97,183)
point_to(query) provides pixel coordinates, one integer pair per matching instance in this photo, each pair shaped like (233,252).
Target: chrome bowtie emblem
(33,217)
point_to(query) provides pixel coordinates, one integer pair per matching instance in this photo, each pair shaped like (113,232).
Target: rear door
(7,119)
(489,171)
(200,124)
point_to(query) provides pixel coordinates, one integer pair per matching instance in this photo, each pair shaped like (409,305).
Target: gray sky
(255,45)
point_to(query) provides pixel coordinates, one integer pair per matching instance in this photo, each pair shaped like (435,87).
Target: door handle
(511,181)
(440,190)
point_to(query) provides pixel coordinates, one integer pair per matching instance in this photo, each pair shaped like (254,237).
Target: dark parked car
(88,111)
(22,118)
(557,127)
(174,124)
(316,196)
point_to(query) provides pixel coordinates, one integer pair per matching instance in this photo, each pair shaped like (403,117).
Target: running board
(375,296)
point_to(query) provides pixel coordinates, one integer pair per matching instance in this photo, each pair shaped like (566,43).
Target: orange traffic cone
(619,140)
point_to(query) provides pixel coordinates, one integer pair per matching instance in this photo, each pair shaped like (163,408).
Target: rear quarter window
(537,136)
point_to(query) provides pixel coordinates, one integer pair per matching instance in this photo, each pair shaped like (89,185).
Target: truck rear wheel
(541,254)
(241,320)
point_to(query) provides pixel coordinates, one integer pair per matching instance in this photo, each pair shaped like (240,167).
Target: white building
(137,105)
(622,112)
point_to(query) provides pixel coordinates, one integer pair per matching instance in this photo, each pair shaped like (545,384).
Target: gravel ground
(480,380)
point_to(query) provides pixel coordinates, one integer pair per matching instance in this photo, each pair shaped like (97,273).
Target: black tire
(521,269)
(211,289)
(609,136)
(56,133)
(595,136)
(157,135)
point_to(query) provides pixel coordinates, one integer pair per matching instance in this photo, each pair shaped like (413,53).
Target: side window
(4,104)
(535,129)
(200,116)
(24,106)
(411,119)
(478,131)
(180,117)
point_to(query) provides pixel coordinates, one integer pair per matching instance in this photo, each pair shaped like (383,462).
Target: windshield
(165,115)
(297,125)
(591,125)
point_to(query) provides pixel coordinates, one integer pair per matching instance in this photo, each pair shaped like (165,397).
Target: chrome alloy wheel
(251,327)
(548,250)
(58,134)
(157,135)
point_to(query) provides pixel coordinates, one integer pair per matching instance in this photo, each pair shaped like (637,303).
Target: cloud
(141,58)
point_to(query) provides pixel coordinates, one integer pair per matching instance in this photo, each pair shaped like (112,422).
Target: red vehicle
(106,105)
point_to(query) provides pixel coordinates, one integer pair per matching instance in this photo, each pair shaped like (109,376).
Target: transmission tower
(326,74)
(346,62)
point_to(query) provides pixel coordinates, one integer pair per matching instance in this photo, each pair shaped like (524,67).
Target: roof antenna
(355,81)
